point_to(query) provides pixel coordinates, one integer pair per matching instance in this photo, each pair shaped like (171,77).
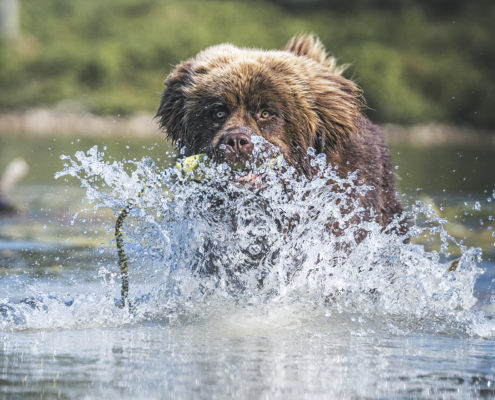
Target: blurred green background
(417,61)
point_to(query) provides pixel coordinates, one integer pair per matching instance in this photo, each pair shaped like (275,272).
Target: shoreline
(45,122)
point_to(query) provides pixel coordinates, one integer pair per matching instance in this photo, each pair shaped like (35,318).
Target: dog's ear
(338,104)
(172,108)
(337,101)
(310,46)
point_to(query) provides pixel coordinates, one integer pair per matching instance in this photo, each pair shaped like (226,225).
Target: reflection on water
(78,344)
(313,358)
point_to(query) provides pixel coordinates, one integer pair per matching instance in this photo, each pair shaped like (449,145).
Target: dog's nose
(239,143)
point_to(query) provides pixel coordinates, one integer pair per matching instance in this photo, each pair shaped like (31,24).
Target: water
(321,324)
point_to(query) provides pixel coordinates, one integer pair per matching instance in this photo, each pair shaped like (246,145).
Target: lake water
(416,332)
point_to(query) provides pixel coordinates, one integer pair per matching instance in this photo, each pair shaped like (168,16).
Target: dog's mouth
(248,157)
(237,160)
(243,167)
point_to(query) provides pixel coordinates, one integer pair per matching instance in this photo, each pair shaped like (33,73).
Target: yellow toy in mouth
(188,167)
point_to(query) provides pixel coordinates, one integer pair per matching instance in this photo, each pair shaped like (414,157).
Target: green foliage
(414,62)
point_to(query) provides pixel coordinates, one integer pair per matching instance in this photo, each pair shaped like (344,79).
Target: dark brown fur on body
(295,99)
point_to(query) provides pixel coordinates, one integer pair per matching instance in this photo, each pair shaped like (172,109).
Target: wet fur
(313,105)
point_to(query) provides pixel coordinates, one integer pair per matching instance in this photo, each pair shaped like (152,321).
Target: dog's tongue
(249,179)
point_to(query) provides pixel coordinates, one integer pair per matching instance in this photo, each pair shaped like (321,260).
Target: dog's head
(221,100)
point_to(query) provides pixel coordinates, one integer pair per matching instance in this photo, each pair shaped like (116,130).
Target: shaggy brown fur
(295,98)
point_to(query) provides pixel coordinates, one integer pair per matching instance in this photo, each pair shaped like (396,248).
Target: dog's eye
(220,114)
(265,114)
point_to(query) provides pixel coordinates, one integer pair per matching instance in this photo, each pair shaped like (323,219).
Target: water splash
(199,248)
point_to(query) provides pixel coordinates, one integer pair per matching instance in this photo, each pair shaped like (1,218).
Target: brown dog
(297,98)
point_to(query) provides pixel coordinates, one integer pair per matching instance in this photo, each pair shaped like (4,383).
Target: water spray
(188,168)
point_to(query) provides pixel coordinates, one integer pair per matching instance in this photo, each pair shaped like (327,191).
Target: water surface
(62,335)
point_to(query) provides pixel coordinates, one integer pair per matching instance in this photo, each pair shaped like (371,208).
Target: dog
(295,99)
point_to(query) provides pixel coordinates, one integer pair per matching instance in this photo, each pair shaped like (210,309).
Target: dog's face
(224,99)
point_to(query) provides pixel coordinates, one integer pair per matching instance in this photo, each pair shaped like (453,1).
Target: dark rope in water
(188,164)
(119,236)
